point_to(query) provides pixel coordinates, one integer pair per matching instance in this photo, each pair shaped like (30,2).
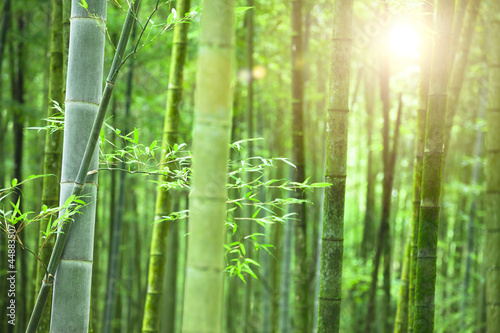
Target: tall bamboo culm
(211,136)
(300,270)
(83,95)
(158,252)
(53,145)
(423,95)
(432,170)
(332,246)
(492,218)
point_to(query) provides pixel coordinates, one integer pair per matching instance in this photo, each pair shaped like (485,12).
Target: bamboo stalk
(83,170)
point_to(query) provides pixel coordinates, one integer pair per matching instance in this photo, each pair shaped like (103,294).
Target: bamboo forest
(250,166)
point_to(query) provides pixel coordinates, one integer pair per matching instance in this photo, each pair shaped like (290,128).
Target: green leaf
(256,213)
(136,135)
(70,199)
(84,4)
(153,145)
(252,261)
(14,182)
(240,10)
(321,184)
(242,248)
(49,226)
(287,162)
(249,271)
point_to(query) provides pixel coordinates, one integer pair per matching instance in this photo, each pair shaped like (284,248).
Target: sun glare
(404,40)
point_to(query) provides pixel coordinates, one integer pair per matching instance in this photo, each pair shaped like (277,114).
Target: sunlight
(404,40)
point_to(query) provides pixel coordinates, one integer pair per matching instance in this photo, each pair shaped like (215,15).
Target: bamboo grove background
(295,76)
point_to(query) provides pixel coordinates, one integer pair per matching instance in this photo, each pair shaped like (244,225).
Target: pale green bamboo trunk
(211,135)
(71,298)
(492,218)
(53,145)
(432,169)
(158,252)
(423,95)
(330,283)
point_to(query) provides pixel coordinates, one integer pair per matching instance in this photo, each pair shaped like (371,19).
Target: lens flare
(404,40)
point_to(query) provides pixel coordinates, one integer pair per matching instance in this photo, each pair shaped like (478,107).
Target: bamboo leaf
(84,4)
(241,10)
(320,184)
(136,135)
(252,261)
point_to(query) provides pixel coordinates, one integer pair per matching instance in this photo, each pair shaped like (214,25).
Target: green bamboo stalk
(301,274)
(248,228)
(5,25)
(284,300)
(458,23)
(492,218)
(389,166)
(280,281)
(385,239)
(17,76)
(367,243)
(211,135)
(77,188)
(457,75)
(53,146)
(158,252)
(330,285)
(423,95)
(83,94)
(401,324)
(432,169)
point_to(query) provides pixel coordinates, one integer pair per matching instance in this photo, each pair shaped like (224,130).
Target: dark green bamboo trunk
(369,220)
(385,237)
(330,283)
(17,76)
(492,219)
(423,94)
(384,231)
(432,169)
(52,150)
(458,71)
(401,322)
(158,255)
(4,27)
(301,282)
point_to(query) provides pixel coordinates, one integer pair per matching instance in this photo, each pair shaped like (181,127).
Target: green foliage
(15,216)
(55,122)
